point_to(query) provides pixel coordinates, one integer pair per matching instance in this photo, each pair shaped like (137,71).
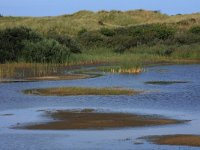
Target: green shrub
(68,42)
(151,32)
(91,39)
(45,51)
(11,42)
(185,38)
(107,32)
(82,31)
(195,30)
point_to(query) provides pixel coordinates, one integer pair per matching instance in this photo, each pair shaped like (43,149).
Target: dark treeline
(25,44)
(122,39)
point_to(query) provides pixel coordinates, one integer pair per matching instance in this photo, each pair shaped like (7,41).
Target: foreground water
(178,101)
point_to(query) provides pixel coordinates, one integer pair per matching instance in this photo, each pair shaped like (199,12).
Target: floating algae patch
(72,91)
(165,82)
(178,140)
(92,119)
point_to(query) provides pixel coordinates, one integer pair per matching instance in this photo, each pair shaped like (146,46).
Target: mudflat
(91,119)
(179,140)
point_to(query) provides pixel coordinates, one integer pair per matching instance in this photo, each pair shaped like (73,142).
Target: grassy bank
(126,40)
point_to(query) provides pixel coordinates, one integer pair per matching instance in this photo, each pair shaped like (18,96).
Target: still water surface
(179,101)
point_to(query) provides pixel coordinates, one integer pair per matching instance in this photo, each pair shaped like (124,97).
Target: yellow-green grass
(41,71)
(90,119)
(101,56)
(179,140)
(73,91)
(72,24)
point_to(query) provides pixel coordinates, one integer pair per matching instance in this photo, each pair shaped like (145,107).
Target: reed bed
(24,70)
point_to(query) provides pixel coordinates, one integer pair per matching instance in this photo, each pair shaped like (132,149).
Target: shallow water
(179,101)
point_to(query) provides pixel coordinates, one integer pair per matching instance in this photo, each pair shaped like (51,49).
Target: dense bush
(124,38)
(46,50)
(91,39)
(21,43)
(83,30)
(185,38)
(107,32)
(11,42)
(68,42)
(195,30)
(148,33)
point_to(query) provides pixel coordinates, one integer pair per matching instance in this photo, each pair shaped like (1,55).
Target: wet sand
(178,140)
(90,119)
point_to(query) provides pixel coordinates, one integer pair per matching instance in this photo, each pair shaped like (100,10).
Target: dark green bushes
(45,51)
(21,43)
(195,30)
(68,42)
(82,31)
(107,32)
(124,38)
(89,39)
(11,42)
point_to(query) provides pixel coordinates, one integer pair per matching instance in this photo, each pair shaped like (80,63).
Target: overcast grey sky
(58,7)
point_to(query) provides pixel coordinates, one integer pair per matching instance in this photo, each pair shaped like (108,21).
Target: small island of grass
(73,91)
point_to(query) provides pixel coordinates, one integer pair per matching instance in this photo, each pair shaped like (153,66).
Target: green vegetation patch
(72,91)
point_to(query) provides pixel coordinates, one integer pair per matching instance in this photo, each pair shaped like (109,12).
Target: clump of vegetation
(12,42)
(70,91)
(24,44)
(122,39)
(66,41)
(82,31)
(195,30)
(107,32)
(91,39)
(45,51)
